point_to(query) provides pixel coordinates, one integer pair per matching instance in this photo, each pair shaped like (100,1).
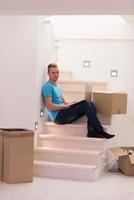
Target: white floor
(111,186)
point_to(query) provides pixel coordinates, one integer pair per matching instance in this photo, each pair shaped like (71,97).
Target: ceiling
(67,7)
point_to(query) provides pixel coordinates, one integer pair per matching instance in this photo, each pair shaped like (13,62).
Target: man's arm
(52,106)
(69,103)
(65,102)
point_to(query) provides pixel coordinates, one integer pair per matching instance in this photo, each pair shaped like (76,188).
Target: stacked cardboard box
(110,102)
(18,147)
(125,158)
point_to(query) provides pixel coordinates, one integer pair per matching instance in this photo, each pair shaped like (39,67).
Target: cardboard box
(110,102)
(0,155)
(125,157)
(18,148)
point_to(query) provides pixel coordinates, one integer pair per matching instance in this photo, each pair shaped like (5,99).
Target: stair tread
(67,165)
(61,150)
(76,138)
(82,81)
(52,124)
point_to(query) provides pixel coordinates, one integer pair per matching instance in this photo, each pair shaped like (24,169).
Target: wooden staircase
(64,151)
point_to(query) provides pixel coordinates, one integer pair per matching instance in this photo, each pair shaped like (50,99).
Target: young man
(62,112)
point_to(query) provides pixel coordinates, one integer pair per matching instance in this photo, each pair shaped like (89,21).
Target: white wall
(17,70)
(93,27)
(104,55)
(45,55)
(18,36)
(25,49)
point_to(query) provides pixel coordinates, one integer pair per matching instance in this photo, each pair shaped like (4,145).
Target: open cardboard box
(125,159)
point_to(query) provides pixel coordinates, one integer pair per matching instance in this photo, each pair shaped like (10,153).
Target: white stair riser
(68,173)
(72,86)
(64,130)
(105,119)
(71,144)
(75,129)
(99,86)
(82,86)
(74,96)
(68,158)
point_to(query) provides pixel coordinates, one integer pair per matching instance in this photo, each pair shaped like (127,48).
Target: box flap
(118,151)
(16,132)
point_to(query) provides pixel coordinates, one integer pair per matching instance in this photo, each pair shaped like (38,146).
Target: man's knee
(85,102)
(89,104)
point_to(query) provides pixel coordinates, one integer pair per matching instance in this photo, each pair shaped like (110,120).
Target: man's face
(53,74)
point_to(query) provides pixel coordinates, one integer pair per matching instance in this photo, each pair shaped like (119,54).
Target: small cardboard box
(0,155)
(125,159)
(110,102)
(18,148)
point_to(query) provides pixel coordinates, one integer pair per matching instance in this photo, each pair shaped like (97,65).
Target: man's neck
(53,82)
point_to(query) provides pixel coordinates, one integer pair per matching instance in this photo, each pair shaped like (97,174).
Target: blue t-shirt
(52,90)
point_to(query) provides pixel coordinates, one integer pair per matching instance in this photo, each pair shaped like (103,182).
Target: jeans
(77,110)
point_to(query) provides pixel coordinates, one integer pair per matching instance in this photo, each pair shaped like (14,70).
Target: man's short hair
(51,65)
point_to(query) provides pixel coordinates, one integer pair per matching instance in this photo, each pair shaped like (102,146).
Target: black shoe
(106,135)
(94,134)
